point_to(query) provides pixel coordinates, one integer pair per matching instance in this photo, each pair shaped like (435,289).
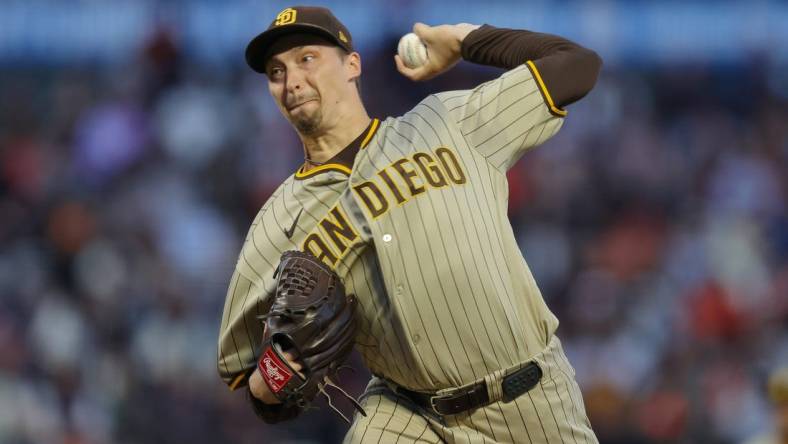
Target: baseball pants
(551,412)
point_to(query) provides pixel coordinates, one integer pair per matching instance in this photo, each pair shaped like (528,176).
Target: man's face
(308,77)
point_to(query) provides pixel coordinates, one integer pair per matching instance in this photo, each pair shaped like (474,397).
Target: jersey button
(399,289)
(386,238)
(416,338)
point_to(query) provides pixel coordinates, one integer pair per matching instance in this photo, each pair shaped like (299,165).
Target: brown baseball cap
(297,19)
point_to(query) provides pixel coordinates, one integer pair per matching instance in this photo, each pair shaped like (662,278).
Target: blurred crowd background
(133,159)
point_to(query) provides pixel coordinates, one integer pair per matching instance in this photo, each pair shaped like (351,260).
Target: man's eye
(275,72)
(307,58)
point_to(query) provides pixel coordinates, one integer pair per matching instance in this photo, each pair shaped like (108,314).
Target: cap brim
(257,49)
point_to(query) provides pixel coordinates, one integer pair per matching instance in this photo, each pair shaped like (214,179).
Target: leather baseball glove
(313,319)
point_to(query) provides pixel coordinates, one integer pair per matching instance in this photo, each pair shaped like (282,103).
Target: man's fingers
(424,72)
(292,357)
(421,30)
(404,70)
(411,73)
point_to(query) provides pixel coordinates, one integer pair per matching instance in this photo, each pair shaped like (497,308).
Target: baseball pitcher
(409,214)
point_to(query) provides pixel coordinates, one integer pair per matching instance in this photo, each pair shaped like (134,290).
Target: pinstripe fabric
(549,413)
(252,283)
(460,290)
(390,420)
(419,232)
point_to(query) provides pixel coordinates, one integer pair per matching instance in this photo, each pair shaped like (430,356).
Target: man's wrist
(461,31)
(259,389)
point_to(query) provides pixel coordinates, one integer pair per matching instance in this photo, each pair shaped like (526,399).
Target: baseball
(412,50)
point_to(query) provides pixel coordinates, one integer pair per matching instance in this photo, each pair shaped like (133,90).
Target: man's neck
(318,149)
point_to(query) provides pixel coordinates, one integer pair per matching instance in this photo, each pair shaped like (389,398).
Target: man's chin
(306,124)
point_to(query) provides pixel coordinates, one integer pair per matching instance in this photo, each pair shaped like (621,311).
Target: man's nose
(295,81)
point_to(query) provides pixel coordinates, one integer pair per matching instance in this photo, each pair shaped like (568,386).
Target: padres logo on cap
(286,17)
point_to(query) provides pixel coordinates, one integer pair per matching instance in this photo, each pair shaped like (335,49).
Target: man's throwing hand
(444,44)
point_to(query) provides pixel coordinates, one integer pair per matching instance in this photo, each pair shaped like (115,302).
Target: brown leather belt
(476,395)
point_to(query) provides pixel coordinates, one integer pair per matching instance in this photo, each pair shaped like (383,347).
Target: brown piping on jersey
(554,110)
(300,174)
(343,160)
(240,378)
(566,68)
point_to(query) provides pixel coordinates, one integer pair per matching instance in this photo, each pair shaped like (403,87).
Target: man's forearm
(568,70)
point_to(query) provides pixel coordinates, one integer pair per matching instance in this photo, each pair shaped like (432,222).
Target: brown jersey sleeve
(568,70)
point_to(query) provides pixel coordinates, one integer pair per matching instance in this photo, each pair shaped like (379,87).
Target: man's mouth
(292,107)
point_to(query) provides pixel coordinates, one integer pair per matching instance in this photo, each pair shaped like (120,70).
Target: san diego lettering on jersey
(335,230)
(416,174)
(402,180)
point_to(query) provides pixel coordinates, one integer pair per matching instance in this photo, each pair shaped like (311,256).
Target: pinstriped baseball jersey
(419,232)
(252,282)
(460,304)
(303,205)
(433,192)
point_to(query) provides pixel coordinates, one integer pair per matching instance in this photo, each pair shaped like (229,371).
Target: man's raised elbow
(570,74)
(592,64)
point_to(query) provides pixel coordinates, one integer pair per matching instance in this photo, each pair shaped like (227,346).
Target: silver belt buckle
(432,404)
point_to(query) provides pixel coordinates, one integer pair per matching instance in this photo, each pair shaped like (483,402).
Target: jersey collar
(343,160)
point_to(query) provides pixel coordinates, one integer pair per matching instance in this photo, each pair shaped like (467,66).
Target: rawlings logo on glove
(274,371)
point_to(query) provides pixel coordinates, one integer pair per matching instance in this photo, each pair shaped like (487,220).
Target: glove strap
(275,370)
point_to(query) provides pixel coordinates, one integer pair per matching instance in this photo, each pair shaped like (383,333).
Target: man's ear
(353,65)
